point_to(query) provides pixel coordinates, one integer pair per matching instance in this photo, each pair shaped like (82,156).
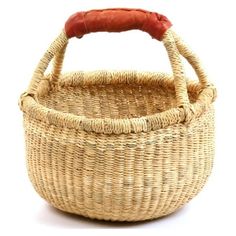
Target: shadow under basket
(120,146)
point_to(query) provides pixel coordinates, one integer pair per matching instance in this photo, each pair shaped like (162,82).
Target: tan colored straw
(121,146)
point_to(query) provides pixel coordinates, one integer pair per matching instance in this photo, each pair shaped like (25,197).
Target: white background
(27,28)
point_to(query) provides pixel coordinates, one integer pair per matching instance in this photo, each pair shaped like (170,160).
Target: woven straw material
(121,146)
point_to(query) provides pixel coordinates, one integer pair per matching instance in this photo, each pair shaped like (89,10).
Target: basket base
(117,219)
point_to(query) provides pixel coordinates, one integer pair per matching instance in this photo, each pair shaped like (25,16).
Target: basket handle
(116,20)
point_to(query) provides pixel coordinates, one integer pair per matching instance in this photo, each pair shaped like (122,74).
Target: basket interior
(116,101)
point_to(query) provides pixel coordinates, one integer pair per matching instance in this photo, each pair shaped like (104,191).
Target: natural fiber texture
(122,146)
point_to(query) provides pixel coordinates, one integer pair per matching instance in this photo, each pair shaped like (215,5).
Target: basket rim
(33,109)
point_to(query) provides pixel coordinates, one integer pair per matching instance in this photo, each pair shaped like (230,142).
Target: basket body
(119,177)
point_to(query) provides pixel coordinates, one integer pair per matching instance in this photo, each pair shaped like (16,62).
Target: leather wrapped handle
(116,20)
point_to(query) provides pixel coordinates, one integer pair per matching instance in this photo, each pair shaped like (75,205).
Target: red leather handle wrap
(116,20)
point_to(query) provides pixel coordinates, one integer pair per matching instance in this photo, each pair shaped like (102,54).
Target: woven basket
(121,146)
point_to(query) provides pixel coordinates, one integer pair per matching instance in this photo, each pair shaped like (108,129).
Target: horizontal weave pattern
(125,177)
